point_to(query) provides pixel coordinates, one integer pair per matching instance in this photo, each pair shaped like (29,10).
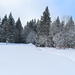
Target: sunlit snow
(26,59)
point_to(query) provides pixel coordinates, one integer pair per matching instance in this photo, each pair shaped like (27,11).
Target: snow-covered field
(22,59)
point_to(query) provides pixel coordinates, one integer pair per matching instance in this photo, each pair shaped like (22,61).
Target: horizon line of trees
(42,33)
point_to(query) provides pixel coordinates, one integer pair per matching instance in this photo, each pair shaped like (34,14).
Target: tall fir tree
(43,29)
(10,29)
(19,30)
(3,28)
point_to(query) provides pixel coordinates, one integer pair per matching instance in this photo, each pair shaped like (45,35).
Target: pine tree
(56,31)
(43,29)
(45,21)
(62,26)
(4,20)
(10,29)
(19,30)
(3,27)
(70,24)
(55,28)
(30,32)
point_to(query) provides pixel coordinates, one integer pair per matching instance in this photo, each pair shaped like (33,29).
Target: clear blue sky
(30,9)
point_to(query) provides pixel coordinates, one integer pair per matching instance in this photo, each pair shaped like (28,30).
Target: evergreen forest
(42,32)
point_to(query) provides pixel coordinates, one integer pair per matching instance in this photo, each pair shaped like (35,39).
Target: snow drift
(22,59)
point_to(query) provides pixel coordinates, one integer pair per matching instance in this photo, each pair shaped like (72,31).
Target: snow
(26,59)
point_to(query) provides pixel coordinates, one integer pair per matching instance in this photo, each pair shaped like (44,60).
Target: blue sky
(30,9)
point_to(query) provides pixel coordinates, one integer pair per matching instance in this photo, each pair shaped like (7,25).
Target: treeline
(42,33)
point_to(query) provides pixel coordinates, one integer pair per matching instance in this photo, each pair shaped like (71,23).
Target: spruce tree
(30,32)
(56,27)
(4,20)
(70,24)
(43,29)
(19,30)
(10,29)
(45,21)
(3,28)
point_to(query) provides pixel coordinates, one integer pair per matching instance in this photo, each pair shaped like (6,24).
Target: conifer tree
(3,28)
(43,29)
(70,24)
(10,29)
(55,27)
(19,30)
(30,32)
(45,21)
(4,20)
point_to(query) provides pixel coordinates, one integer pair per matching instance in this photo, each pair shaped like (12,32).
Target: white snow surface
(26,59)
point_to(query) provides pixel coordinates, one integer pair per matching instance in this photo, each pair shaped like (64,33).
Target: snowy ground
(22,59)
